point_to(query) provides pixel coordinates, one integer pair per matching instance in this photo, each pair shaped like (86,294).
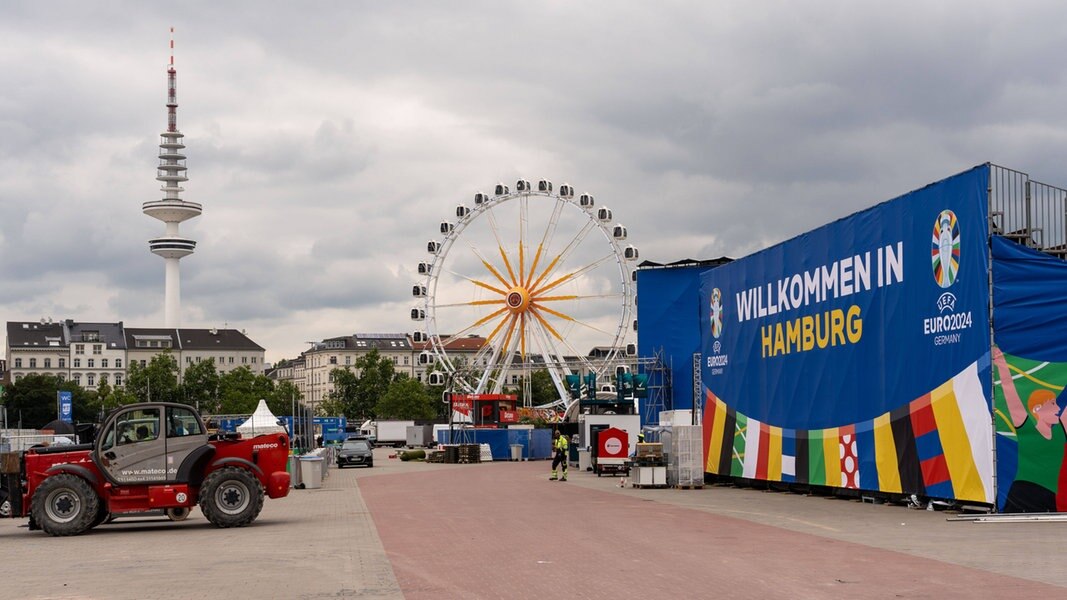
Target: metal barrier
(19,440)
(1028,212)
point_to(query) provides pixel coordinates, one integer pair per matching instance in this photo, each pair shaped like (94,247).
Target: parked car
(355,452)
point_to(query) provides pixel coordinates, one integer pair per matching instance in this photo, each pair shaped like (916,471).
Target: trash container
(311,472)
(516,452)
(294,470)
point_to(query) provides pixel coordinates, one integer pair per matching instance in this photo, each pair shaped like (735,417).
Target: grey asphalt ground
(325,543)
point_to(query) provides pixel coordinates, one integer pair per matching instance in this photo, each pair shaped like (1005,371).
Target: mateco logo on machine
(265,446)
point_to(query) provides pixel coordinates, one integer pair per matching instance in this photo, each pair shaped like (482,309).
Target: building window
(254,360)
(97,349)
(90,380)
(118,378)
(348,360)
(18,363)
(61,377)
(244,360)
(77,363)
(103,363)
(48,363)
(188,360)
(78,378)
(79,348)
(62,363)
(197,359)
(144,363)
(333,360)
(231,360)
(222,360)
(118,363)
(33,363)
(407,360)
(19,376)
(91,363)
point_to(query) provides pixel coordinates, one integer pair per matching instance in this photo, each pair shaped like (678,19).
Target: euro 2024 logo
(945,249)
(945,262)
(716,312)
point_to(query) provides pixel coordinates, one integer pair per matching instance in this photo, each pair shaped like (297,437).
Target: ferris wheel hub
(518,300)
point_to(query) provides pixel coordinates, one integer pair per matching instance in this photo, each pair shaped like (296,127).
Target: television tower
(172,210)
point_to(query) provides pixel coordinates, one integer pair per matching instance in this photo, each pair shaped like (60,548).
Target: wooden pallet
(690,487)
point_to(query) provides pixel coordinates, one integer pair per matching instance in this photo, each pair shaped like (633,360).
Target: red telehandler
(146,457)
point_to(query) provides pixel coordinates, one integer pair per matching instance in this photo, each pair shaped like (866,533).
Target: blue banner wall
(856,355)
(669,323)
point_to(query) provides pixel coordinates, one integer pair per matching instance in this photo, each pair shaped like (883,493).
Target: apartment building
(91,353)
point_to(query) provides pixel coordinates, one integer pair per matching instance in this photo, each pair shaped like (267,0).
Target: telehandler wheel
(178,514)
(101,516)
(231,497)
(65,504)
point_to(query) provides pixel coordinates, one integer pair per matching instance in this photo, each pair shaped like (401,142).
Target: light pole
(309,430)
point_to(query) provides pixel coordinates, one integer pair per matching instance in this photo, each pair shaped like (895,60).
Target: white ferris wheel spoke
(546,239)
(584,360)
(552,284)
(500,244)
(571,319)
(487,265)
(565,253)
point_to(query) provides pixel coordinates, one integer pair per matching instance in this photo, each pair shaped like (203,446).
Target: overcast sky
(327,140)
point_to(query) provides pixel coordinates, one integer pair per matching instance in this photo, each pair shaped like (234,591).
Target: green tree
(201,386)
(542,389)
(281,399)
(406,398)
(240,391)
(156,382)
(376,373)
(342,400)
(33,399)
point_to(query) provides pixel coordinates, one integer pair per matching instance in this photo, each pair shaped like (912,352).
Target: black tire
(178,514)
(101,516)
(231,497)
(370,463)
(65,504)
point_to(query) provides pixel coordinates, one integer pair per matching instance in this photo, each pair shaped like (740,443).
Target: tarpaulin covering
(1030,371)
(669,313)
(857,355)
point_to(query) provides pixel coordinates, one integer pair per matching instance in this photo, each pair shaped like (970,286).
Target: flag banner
(857,355)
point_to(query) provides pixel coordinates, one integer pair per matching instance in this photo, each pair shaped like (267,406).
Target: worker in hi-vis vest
(559,443)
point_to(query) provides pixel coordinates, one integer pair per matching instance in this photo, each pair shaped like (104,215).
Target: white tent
(262,421)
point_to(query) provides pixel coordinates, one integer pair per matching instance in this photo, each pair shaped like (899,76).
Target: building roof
(110,334)
(385,342)
(470,343)
(211,339)
(32,334)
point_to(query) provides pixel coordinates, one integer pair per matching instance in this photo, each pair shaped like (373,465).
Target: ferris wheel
(523,281)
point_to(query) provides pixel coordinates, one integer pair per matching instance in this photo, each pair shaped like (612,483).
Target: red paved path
(504,531)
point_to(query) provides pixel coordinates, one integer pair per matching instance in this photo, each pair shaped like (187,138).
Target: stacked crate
(685,461)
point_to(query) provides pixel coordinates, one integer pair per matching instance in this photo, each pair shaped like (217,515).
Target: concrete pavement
(502,530)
